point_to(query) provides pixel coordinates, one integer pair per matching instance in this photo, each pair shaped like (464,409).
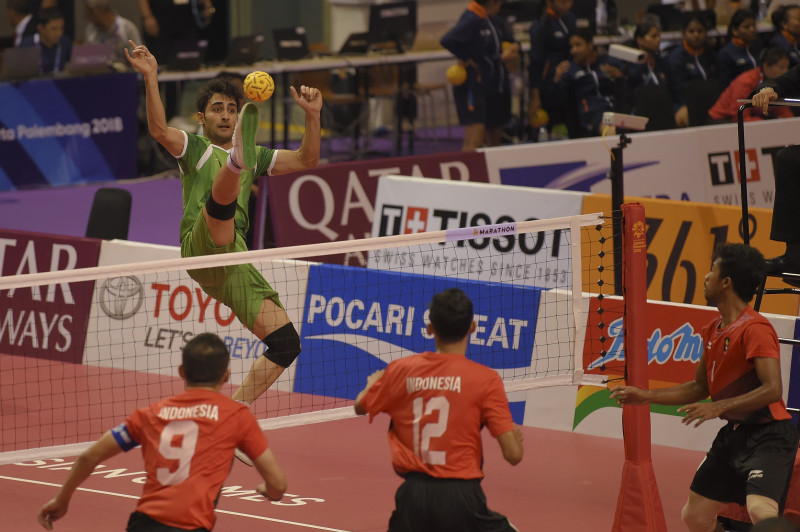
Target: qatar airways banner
(693,164)
(68,130)
(337,201)
(47,321)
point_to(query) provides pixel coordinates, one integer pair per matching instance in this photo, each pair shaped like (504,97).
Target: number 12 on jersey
(422,442)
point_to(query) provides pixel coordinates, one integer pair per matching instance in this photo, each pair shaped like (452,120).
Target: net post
(745,225)
(639,504)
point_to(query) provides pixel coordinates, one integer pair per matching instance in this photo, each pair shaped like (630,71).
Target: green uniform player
(217,173)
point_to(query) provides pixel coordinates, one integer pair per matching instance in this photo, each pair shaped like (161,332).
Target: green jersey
(199,164)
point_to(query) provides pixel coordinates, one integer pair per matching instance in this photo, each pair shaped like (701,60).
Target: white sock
(232,166)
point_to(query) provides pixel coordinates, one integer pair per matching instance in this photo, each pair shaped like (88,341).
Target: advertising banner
(674,347)
(141,322)
(45,321)
(691,164)
(370,318)
(68,130)
(681,238)
(406,205)
(337,201)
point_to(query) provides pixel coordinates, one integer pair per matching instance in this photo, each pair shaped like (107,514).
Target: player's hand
(262,489)
(561,69)
(309,98)
(374,377)
(50,512)
(700,412)
(762,98)
(141,59)
(629,395)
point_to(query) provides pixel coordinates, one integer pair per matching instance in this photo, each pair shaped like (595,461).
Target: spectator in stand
(774,63)
(741,52)
(653,71)
(786,20)
(20,16)
(106,25)
(588,83)
(691,60)
(549,46)
(50,39)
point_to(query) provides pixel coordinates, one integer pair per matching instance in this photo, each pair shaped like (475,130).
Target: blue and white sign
(369,318)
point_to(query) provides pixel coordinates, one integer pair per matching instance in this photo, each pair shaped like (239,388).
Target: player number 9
(188,431)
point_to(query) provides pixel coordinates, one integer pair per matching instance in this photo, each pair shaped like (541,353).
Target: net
(81,348)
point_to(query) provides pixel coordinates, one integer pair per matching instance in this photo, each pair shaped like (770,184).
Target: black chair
(655,102)
(110,215)
(700,95)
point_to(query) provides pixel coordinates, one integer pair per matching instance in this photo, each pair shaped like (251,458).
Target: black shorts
(140,522)
(473,107)
(427,504)
(748,460)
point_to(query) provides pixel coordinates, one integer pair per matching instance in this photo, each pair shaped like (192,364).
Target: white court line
(101,492)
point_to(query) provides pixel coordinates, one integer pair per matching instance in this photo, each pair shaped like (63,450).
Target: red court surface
(340,479)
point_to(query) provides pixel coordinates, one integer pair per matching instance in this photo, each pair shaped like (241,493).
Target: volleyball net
(69,376)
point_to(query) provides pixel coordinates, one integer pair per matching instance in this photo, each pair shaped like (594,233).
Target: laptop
(90,59)
(356,44)
(187,55)
(21,63)
(244,50)
(291,44)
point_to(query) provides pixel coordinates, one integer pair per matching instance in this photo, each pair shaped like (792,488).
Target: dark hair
(691,17)
(205,359)
(218,86)
(585,34)
(781,15)
(451,314)
(772,55)
(745,266)
(228,74)
(738,18)
(49,14)
(648,22)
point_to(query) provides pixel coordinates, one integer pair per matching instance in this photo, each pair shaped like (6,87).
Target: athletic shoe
(244,137)
(243,458)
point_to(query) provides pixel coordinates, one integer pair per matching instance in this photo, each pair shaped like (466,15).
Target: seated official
(743,48)
(587,85)
(775,62)
(50,39)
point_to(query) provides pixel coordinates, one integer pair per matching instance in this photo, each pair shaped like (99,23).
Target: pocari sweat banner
(356,321)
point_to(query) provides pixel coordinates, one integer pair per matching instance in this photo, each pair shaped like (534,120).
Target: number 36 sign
(681,237)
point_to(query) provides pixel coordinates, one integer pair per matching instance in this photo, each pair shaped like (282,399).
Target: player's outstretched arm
(143,61)
(688,392)
(511,445)
(274,485)
(307,155)
(372,379)
(100,451)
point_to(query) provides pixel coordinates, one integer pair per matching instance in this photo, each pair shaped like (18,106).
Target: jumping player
(188,441)
(751,459)
(439,402)
(217,171)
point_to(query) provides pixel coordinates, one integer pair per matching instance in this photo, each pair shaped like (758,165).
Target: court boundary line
(126,496)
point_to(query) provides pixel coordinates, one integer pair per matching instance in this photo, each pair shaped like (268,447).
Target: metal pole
(745,225)
(617,198)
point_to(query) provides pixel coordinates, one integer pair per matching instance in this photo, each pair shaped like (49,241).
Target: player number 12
(422,443)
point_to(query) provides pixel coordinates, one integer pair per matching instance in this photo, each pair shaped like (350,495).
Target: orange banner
(681,237)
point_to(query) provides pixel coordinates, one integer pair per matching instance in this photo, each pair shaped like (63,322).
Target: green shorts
(240,287)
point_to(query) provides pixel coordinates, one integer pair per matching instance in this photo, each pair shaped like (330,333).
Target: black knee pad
(283,346)
(220,212)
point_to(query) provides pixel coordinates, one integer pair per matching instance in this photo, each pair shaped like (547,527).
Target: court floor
(340,479)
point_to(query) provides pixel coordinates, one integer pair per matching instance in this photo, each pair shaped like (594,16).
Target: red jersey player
(439,402)
(751,459)
(187,443)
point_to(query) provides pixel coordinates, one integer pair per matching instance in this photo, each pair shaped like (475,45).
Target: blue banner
(369,318)
(68,130)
